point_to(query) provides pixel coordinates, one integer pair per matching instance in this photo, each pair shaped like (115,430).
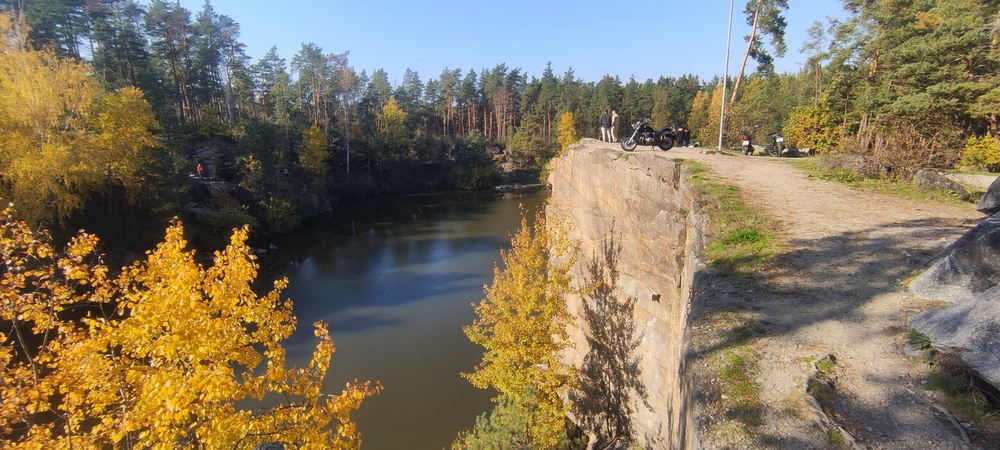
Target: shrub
(812,127)
(982,153)
(280,215)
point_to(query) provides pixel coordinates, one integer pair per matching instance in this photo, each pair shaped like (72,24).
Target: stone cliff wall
(651,207)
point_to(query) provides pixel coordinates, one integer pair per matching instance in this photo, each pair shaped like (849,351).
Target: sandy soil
(838,290)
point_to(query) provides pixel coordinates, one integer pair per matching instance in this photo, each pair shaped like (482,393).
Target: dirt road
(838,290)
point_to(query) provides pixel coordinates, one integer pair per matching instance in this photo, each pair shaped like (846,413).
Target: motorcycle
(645,134)
(747,136)
(777,145)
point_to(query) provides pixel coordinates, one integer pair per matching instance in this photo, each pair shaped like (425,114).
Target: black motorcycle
(645,134)
(777,145)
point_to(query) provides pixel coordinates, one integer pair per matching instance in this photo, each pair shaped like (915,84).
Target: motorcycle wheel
(666,144)
(748,150)
(628,144)
(772,150)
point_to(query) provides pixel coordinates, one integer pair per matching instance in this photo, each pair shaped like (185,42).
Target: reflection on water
(395,279)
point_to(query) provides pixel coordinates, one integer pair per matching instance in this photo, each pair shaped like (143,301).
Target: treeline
(314,123)
(902,84)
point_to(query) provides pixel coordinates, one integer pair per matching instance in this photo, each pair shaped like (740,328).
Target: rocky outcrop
(645,203)
(966,269)
(935,181)
(990,203)
(967,274)
(969,330)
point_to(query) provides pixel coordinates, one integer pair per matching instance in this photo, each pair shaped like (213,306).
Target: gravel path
(838,290)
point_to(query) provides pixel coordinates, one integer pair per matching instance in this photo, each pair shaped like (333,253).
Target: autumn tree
(314,153)
(393,119)
(812,127)
(167,354)
(64,140)
(567,130)
(522,324)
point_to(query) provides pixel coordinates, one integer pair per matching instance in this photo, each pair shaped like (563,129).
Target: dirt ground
(838,289)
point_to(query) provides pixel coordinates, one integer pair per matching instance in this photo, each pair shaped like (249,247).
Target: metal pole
(725,77)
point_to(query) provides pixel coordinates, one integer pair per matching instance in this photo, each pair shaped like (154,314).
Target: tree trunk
(746,55)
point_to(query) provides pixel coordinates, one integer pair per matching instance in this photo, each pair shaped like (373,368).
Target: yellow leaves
(61,135)
(522,326)
(393,117)
(169,369)
(314,155)
(567,130)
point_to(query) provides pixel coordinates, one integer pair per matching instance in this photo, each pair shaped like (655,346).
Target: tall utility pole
(725,76)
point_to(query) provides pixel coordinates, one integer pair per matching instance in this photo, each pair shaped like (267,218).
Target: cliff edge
(836,292)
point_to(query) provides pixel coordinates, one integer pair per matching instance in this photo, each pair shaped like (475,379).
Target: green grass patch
(826,365)
(738,379)
(742,239)
(897,188)
(836,437)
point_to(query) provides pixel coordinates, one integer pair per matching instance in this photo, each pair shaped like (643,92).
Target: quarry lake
(395,278)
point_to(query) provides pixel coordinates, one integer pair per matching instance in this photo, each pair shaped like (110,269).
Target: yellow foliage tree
(123,122)
(699,117)
(61,138)
(157,357)
(522,323)
(812,126)
(710,130)
(567,130)
(314,152)
(393,123)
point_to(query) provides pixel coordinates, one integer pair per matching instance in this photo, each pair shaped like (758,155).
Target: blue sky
(645,39)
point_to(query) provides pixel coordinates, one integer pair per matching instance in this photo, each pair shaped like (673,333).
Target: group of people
(609,126)
(683,136)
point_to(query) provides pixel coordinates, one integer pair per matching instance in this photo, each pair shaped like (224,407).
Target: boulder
(990,203)
(968,330)
(967,273)
(932,180)
(967,268)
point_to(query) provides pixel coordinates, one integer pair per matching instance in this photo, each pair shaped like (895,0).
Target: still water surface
(395,279)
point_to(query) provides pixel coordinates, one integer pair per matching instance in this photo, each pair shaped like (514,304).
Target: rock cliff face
(642,201)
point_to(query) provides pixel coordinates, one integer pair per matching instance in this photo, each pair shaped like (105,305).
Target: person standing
(614,126)
(605,126)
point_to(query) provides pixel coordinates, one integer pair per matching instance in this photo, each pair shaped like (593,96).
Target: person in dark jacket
(606,126)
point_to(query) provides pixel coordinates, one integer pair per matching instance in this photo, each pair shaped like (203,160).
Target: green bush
(214,227)
(479,176)
(279,215)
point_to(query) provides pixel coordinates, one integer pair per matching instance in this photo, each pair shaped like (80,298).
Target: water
(395,279)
